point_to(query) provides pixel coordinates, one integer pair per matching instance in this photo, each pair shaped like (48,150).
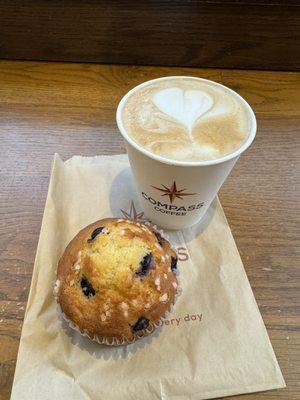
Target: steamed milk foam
(186,119)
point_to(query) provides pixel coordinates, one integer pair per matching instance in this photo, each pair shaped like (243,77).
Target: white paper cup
(197,182)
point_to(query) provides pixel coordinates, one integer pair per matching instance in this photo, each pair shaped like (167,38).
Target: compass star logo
(133,214)
(173,192)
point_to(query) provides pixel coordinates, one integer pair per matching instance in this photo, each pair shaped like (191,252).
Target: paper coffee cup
(176,194)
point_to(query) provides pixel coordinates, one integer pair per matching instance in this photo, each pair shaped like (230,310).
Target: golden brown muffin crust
(116,279)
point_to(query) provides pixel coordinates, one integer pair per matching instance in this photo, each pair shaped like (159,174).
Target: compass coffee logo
(172,193)
(133,213)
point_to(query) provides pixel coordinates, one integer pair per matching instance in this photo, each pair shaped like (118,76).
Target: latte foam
(186,119)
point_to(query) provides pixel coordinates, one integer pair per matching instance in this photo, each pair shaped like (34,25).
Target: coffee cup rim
(230,156)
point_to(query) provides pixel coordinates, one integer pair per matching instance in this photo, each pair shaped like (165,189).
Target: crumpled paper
(213,344)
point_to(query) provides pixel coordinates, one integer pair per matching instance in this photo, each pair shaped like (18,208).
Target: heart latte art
(186,119)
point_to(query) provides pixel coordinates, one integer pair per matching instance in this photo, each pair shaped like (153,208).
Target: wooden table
(70,109)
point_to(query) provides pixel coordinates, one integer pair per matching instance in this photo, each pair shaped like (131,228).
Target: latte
(186,119)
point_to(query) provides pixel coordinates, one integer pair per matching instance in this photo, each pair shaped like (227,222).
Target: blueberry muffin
(116,280)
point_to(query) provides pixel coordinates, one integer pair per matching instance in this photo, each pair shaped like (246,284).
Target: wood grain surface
(70,109)
(256,34)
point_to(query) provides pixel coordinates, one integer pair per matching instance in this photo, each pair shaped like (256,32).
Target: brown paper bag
(213,344)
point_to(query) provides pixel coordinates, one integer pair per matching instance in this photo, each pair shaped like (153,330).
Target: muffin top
(117,279)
